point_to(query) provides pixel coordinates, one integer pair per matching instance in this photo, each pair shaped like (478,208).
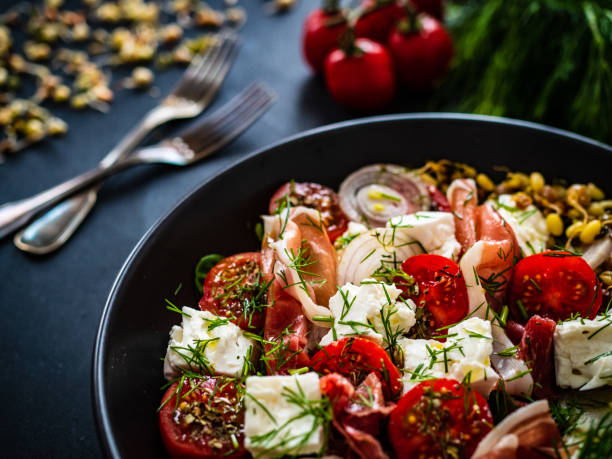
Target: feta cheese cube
(358,310)
(205,340)
(434,230)
(465,354)
(583,353)
(277,421)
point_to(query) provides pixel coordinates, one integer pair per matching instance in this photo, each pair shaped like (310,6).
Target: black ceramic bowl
(220,215)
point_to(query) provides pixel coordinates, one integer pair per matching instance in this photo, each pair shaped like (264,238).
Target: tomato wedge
(556,285)
(355,358)
(316,196)
(206,422)
(439,418)
(439,291)
(236,287)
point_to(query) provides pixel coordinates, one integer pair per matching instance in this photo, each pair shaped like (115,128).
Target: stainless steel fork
(188,147)
(191,95)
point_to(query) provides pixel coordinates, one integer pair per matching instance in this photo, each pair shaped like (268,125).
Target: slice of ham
(462,196)
(512,370)
(536,349)
(358,413)
(285,327)
(523,434)
(515,331)
(290,233)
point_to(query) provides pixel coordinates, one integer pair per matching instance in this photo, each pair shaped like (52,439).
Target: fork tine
(207,84)
(225,124)
(200,65)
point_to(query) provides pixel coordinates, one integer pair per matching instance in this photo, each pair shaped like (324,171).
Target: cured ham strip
(536,348)
(304,260)
(523,434)
(358,413)
(514,371)
(462,196)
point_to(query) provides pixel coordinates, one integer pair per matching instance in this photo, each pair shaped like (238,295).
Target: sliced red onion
(381,191)
(528,426)
(598,252)
(368,251)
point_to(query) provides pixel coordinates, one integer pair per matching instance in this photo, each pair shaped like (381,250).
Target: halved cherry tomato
(236,287)
(439,290)
(555,285)
(440,418)
(322,29)
(318,197)
(198,427)
(422,51)
(355,358)
(360,76)
(378,18)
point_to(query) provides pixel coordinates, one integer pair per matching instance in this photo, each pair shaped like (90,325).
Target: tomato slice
(439,291)
(206,422)
(236,287)
(440,418)
(316,196)
(556,285)
(355,358)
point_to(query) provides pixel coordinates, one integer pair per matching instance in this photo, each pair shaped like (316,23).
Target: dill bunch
(543,60)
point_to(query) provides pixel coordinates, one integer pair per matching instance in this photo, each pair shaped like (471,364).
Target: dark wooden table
(51,305)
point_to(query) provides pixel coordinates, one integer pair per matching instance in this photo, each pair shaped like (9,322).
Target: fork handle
(17,213)
(58,224)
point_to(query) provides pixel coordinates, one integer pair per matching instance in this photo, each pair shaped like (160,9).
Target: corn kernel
(595,192)
(485,182)
(590,231)
(574,229)
(537,181)
(606,277)
(554,224)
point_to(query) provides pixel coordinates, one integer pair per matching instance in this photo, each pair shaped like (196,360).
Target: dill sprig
(506,63)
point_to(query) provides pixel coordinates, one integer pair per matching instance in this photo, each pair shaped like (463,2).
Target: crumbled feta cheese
(465,354)
(205,339)
(529,225)
(276,422)
(353,230)
(583,353)
(359,310)
(434,230)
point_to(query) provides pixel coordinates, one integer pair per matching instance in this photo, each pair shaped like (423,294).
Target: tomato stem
(330,6)
(409,24)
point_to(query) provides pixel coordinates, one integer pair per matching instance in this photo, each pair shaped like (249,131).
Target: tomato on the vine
(319,197)
(322,29)
(422,51)
(236,288)
(360,75)
(355,358)
(555,285)
(439,291)
(377,19)
(440,418)
(205,422)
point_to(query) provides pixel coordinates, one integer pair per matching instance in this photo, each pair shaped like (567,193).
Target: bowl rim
(101,416)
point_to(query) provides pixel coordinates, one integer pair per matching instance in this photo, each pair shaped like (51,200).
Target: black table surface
(51,305)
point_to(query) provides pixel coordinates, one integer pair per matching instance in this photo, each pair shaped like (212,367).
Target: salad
(412,314)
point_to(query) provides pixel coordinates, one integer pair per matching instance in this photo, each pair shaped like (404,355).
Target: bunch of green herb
(543,60)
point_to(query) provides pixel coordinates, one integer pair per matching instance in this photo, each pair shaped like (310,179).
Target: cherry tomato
(439,418)
(320,35)
(355,358)
(555,285)
(318,197)
(361,79)
(197,427)
(432,7)
(378,19)
(422,52)
(236,287)
(439,289)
